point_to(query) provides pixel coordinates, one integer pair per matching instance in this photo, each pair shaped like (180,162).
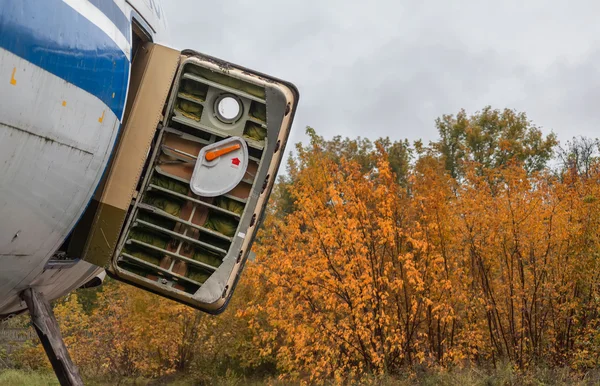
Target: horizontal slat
(157,268)
(258,121)
(192,199)
(257,160)
(178,154)
(187,137)
(223,87)
(163,173)
(255,144)
(179,236)
(197,125)
(199,264)
(166,215)
(191,99)
(240,200)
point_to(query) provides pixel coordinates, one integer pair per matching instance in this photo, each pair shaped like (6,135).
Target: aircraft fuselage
(64,76)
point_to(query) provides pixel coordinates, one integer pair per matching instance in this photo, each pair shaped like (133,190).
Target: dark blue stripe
(114,13)
(53,36)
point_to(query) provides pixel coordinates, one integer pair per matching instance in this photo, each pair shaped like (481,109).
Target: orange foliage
(366,277)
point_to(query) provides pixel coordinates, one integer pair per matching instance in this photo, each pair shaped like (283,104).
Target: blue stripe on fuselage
(114,13)
(53,36)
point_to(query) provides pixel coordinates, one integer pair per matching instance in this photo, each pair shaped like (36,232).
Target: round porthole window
(228,108)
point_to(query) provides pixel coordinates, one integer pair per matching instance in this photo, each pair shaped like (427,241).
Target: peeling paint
(13,81)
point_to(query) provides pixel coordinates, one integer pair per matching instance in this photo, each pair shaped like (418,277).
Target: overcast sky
(389,68)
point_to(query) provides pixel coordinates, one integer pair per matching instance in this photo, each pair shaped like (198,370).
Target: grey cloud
(565,97)
(388,68)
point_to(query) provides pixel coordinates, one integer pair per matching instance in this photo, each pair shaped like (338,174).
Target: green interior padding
(149,238)
(207,257)
(170,184)
(197,274)
(135,268)
(190,109)
(194,90)
(255,132)
(259,111)
(221,223)
(169,205)
(230,205)
(142,255)
(157,220)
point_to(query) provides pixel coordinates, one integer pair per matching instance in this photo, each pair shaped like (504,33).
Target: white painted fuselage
(64,77)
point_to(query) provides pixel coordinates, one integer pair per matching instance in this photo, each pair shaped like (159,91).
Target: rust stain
(13,81)
(101,118)
(64,103)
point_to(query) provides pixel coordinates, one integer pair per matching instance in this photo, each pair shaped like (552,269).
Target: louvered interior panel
(174,236)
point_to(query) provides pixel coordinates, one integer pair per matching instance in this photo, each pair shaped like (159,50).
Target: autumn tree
(349,275)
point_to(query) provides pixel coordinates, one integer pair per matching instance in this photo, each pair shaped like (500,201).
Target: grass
(23,378)
(503,376)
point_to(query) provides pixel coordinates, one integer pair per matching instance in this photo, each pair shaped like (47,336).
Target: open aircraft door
(180,204)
